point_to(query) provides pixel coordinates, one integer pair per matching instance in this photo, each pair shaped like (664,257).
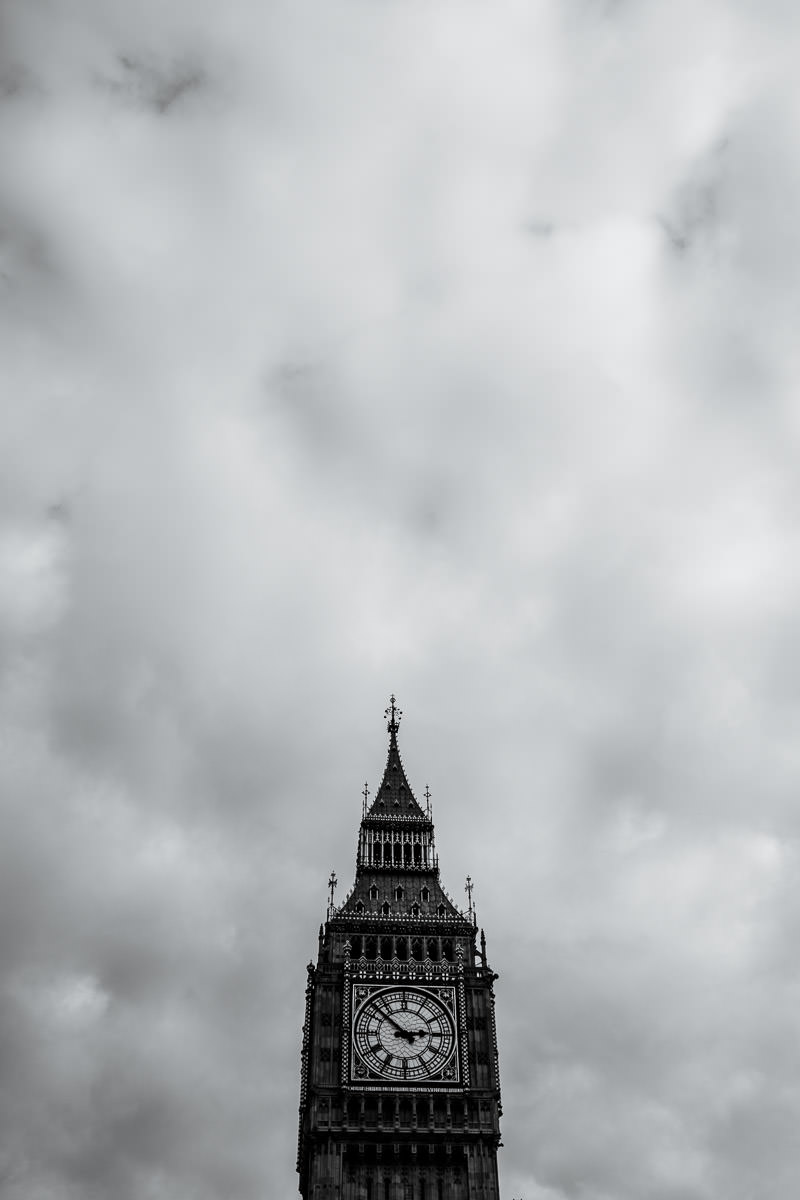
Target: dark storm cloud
(430,348)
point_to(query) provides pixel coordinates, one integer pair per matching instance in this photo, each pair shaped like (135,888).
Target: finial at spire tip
(393,715)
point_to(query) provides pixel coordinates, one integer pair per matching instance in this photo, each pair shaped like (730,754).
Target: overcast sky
(443,348)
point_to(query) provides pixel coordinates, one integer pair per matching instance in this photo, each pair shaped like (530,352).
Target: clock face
(404,1034)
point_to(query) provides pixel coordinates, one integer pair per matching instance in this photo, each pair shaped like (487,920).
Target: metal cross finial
(468,886)
(332,882)
(396,714)
(427,795)
(365,794)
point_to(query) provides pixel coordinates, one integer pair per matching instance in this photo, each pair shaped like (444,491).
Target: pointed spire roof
(394,797)
(397,869)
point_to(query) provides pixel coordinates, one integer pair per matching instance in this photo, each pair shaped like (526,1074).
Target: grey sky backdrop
(443,348)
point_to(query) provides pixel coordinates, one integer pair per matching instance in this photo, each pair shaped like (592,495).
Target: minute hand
(390,1018)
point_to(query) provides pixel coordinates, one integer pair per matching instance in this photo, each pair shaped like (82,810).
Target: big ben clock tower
(399,1092)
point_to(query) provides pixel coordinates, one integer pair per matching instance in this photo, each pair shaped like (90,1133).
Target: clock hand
(391,1019)
(406,1034)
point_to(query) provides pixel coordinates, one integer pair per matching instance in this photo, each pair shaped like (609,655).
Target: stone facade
(400,1090)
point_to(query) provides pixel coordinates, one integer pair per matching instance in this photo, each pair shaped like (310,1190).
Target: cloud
(419,348)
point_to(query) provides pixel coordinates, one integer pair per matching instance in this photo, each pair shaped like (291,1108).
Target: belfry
(399,1090)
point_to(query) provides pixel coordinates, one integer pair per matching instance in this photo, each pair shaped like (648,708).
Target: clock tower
(399,1090)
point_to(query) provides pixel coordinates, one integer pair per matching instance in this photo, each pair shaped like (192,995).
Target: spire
(396,716)
(394,797)
(397,869)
